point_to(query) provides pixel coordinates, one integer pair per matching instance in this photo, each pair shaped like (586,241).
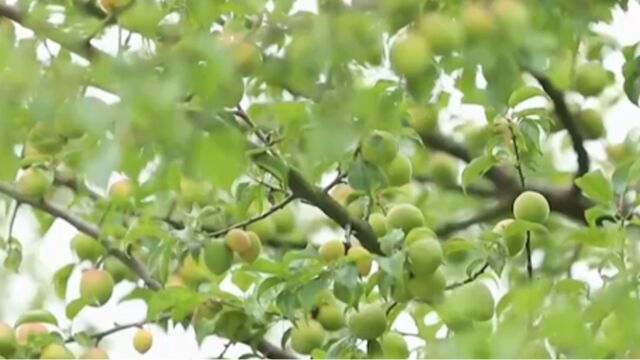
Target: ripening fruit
(284,220)
(477,21)
(424,119)
(410,55)
(478,301)
(247,57)
(591,79)
(331,250)
(109,6)
(142,340)
(7,340)
(369,322)
(96,286)
(378,223)
(238,240)
(218,256)
(394,346)
(192,272)
(362,257)
(405,217)
(27,330)
(43,138)
(356,208)
(87,248)
(591,124)
(443,34)
(514,243)
(512,15)
(306,336)
(121,191)
(429,288)
(265,228)
(56,351)
(442,168)
(174,280)
(330,316)
(34,182)
(399,171)
(254,251)
(531,206)
(95,353)
(379,148)
(118,270)
(419,233)
(452,313)
(425,256)
(340,193)
(194,192)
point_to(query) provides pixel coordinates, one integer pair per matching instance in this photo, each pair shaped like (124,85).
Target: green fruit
(118,270)
(405,217)
(513,17)
(356,208)
(477,21)
(362,258)
(55,351)
(34,182)
(535,350)
(379,148)
(514,243)
(238,240)
(531,206)
(378,223)
(95,353)
(265,228)
(452,313)
(121,192)
(175,281)
(424,119)
(443,34)
(254,251)
(43,138)
(26,331)
(399,171)
(284,220)
(591,79)
(192,272)
(87,248)
(428,288)
(340,193)
(96,286)
(419,233)
(306,336)
(478,301)
(7,340)
(394,346)
(331,250)
(218,256)
(443,169)
(330,317)
(456,251)
(425,256)
(591,124)
(194,192)
(410,55)
(142,341)
(369,322)
(246,57)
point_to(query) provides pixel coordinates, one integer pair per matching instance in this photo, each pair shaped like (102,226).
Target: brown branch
(490,214)
(470,190)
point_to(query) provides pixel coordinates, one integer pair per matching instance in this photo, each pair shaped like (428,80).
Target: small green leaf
(475,169)
(14,259)
(83,338)
(393,265)
(60,279)
(391,240)
(524,93)
(38,315)
(309,291)
(242,279)
(364,176)
(596,186)
(74,307)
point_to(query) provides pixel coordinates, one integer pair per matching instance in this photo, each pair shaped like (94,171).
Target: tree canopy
(385,179)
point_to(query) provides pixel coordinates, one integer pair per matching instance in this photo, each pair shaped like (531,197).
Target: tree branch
(254,219)
(500,209)
(471,278)
(470,190)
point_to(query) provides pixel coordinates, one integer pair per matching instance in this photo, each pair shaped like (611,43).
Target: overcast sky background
(52,252)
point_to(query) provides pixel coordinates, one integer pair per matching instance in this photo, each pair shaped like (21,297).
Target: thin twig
(117,328)
(224,350)
(254,219)
(487,215)
(471,278)
(14,215)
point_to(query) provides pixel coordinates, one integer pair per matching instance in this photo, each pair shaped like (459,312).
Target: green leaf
(596,186)
(524,93)
(242,279)
(475,169)
(74,307)
(391,240)
(83,338)
(39,315)
(14,259)
(393,265)
(364,176)
(308,292)
(347,287)
(60,279)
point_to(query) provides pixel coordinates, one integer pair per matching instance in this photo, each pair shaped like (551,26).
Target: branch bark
(488,215)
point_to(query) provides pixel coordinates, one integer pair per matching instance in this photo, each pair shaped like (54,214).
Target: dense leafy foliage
(248,164)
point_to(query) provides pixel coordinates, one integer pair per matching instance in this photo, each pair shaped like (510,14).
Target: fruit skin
(175,281)
(379,148)
(424,119)
(405,217)
(192,272)
(238,240)
(442,33)
(591,79)
(265,228)
(479,304)
(340,193)
(399,171)
(419,233)
(531,206)
(442,168)
(118,270)
(254,251)
(330,316)
(218,256)
(394,346)
(27,330)
(142,340)
(87,248)
(194,192)
(362,258)
(410,55)
(369,322)
(378,223)
(307,335)
(7,340)
(43,138)
(55,351)
(477,21)
(514,243)
(591,124)
(429,288)
(246,57)
(331,250)
(34,182)
(121,191)
(96,286)
(425,256)
(95,353)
